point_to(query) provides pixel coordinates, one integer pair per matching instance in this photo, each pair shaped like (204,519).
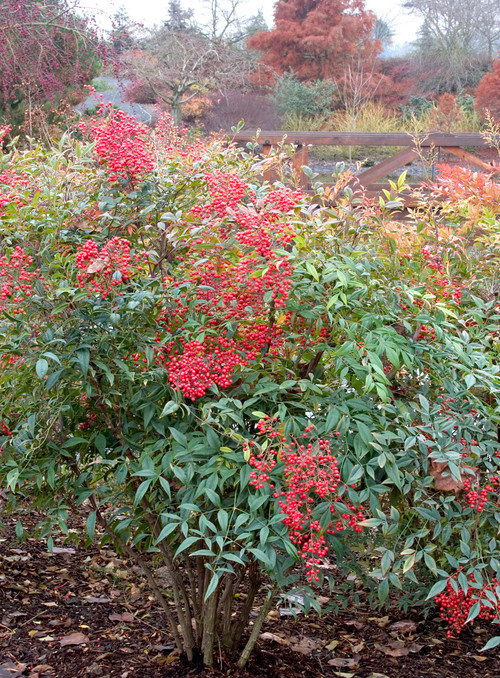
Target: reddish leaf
(10,670)
(123,617)
(76,638)
(345,661)
(403,627)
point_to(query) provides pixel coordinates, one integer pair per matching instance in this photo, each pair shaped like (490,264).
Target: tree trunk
(176,111)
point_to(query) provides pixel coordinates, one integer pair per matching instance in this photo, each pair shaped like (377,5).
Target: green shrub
(293,97)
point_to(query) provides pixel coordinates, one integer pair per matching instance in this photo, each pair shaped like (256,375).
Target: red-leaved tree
(45,49)
(316,38)
(488,92)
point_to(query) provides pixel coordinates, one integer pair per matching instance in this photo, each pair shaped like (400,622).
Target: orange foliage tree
(316,38)
(447,115)
(488,92)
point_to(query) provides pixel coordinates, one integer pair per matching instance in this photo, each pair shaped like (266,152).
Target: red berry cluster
(234,289)
(4,430)
(122,145)
(478,498)
(90,417)
(201,365)
(310,474)
(439,285)
(174,142)
(102,269)
(426,333)
(456,605)
(4,129)
(11,183)
(17,275)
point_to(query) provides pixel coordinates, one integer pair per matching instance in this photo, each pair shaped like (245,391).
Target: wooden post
(299,159)
(269,174)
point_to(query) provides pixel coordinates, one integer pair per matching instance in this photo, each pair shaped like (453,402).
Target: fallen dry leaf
(397,648)
(443,479)
(345,661)
(42,668)
(353,622)
(50,604)
(382,622)
(332,645)
(76,638)
(305,645)
(274,637)
(97,265)
(123,617)
(60,550)
(10,670)
(394,649)
(480,658)
(358,647)
(93,599)
(403,627)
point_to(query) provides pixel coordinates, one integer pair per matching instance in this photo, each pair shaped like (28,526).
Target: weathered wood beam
(470,158)
(387,166)
(366,138)
(300,159)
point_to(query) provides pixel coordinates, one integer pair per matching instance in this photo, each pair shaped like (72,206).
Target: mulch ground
(80,612)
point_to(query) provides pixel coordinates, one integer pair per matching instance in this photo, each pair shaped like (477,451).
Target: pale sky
(150,12)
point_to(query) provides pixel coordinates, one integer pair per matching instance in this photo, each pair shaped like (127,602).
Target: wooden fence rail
(411,149)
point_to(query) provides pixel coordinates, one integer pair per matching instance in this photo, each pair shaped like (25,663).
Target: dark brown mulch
(84,613)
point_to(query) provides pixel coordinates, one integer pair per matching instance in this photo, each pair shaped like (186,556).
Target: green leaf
(492,642)
(430,562)
(409,562)
(212,586)
(41,367)
(223,519)
(383,590)
(424,403)
(83,355)
(260,555)
(141,490)
(312,270)
(168,529)
(19,530)
(90,524)
(74,441)
(100,443)
(169,408)
(364,432)
(470,380)
(357,472)
(437,588)
(474,611)
(178,436)
(371,522)
(332,419)
(53,379)
(52,356)
(188,541)
(240,520)
(166,486)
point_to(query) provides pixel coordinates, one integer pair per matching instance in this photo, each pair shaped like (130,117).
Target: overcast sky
(150,12)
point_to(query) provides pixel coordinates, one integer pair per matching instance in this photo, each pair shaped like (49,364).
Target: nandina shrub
(229,383)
